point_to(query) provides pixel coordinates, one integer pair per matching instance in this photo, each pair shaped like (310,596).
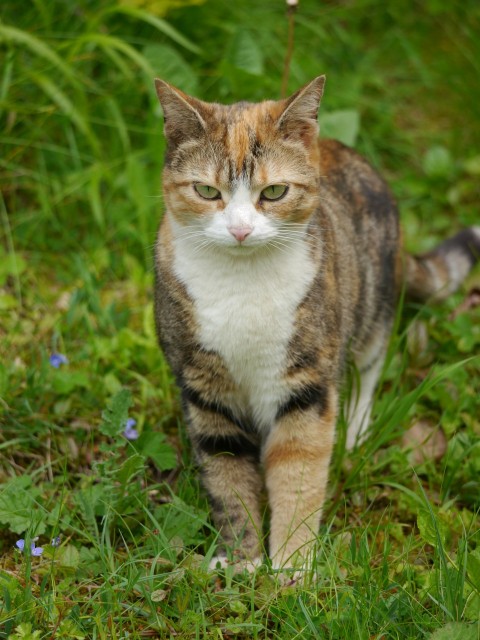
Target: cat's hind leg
(369,364)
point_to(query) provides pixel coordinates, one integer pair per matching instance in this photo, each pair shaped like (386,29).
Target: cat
(278,258)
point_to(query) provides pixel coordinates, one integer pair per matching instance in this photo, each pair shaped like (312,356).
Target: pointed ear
(182,114)
(299,116)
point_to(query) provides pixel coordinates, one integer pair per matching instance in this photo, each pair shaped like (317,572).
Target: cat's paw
(239,565)
(291,574)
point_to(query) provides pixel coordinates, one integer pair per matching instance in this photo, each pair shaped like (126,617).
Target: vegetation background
(80,162)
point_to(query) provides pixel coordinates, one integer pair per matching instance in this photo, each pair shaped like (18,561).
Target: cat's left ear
(299,115)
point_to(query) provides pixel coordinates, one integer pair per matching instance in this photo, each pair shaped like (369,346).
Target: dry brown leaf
(426,441)
(471,301)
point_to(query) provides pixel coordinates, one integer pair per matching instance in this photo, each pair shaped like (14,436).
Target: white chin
(243,249)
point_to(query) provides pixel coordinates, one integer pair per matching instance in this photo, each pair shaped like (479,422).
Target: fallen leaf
(426,441)
(471,301)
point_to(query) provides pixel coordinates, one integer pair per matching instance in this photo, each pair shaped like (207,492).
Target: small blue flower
(56,541)
(35,551)
(130,432)
(57,359)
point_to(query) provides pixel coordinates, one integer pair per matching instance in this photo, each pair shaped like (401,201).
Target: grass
(80,162)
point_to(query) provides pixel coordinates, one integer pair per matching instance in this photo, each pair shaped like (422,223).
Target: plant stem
(292,8)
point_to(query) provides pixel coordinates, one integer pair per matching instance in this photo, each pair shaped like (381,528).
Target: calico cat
(278,256)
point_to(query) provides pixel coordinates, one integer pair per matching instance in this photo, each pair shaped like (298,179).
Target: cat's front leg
(296,457)
(229,466)
(233,484)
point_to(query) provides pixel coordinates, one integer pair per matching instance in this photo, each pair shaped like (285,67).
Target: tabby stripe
(237,445)
(193,397)
(303,360)
(466,242)
(313,395)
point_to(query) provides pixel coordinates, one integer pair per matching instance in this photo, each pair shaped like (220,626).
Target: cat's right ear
(182,114)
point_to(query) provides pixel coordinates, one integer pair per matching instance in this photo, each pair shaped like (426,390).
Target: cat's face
(243,176)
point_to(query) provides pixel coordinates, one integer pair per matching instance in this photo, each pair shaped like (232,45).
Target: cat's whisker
(192,235)
(280,246)
(294,236)
(198,248)
(156,197)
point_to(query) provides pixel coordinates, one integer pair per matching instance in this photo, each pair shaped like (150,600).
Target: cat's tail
(438,273)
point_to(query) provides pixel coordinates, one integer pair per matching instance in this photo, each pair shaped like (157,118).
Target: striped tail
(438,273)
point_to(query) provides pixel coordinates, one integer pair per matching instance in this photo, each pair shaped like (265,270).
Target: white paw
(294,571)
(217,562)
(222,562)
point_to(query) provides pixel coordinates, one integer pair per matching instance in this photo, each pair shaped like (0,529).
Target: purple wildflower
(57,359)
(130,432)
(56,541)
(35,551)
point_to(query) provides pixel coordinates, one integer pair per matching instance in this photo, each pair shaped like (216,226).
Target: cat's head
(241,176)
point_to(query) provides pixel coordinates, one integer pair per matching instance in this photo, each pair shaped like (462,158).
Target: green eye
(274,192)
(207,192)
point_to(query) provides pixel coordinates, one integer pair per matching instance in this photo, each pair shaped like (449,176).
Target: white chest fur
(245,308)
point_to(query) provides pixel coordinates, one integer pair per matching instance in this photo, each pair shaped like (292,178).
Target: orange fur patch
(288,452)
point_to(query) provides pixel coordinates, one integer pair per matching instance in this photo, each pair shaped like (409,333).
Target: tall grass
(80,162)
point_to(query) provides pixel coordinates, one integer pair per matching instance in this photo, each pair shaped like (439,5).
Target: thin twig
(291,9)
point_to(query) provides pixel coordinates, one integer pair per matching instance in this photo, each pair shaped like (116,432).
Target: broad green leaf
(68,557)
(18,507)
(473,567)
(472,609)
(152,444)
(342,125)
(472,166)
(115,416)
(238,607)
(180,520)
(11,264)
(25,631)
(431,527)
(456,631)
(68,629)
(438,163)
(7,301)
(65,381)
(245,53)
(89,502)
(10,583)
(169,65)
(129,468)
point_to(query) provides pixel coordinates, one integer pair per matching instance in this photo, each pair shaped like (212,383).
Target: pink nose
(240,233)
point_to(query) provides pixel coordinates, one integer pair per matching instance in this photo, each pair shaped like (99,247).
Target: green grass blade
(12,35)
(387,425)
(66,106)
(161,25)
(108,42)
